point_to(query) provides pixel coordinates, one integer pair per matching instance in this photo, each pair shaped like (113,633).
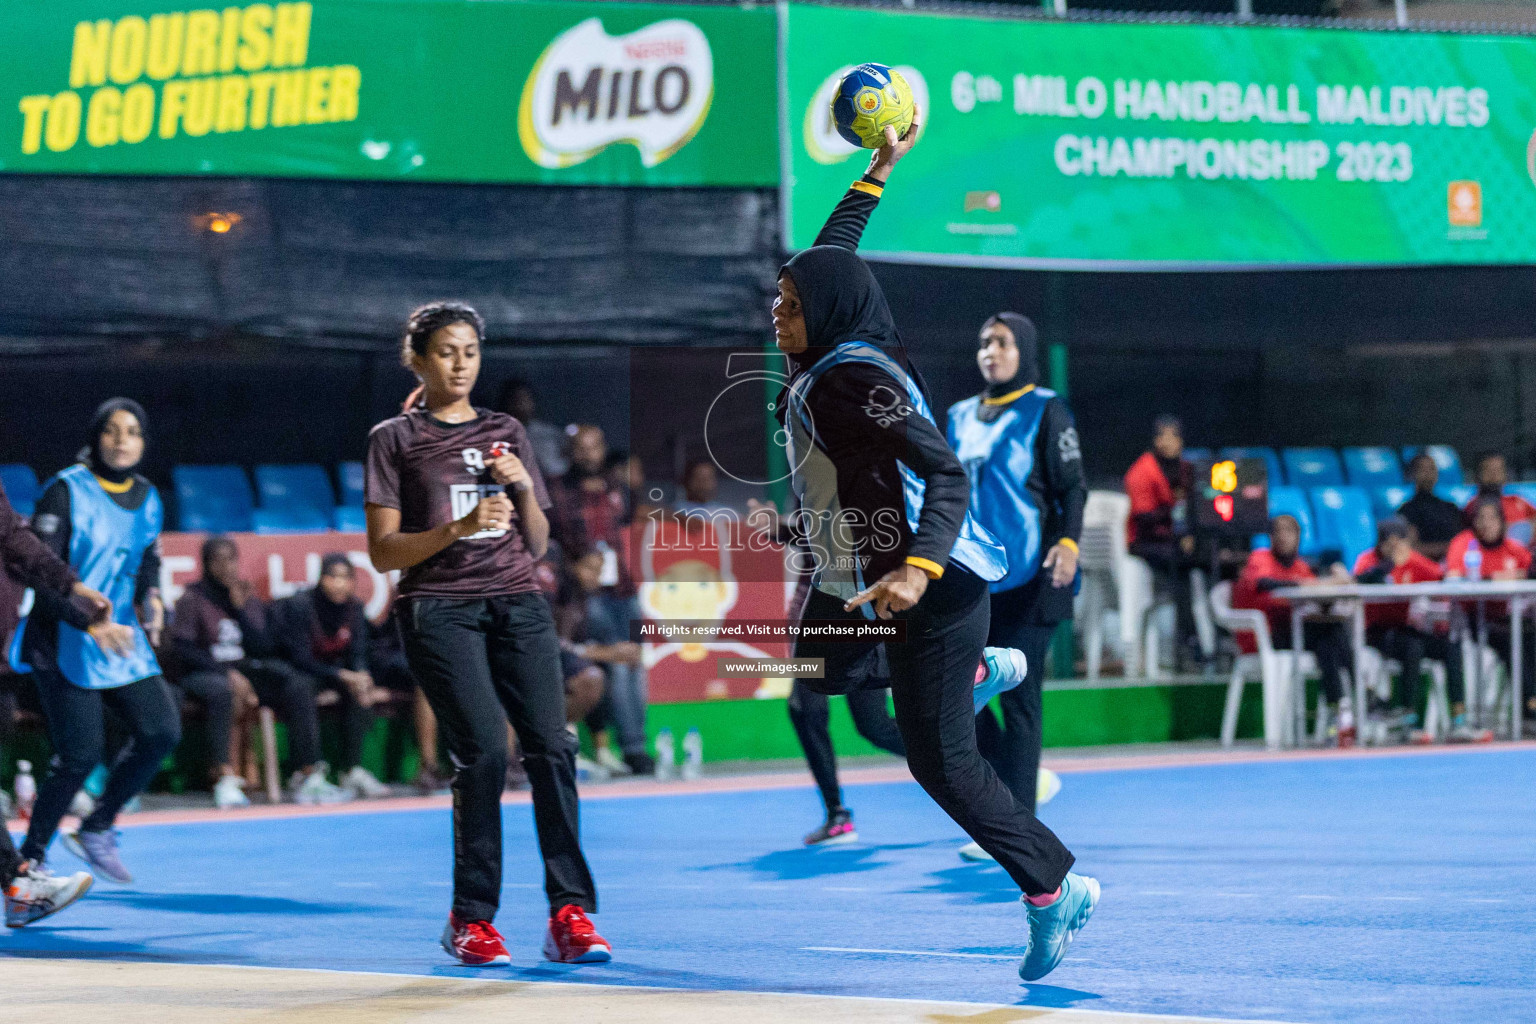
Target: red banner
(278,565)
(703,574)
(708,572)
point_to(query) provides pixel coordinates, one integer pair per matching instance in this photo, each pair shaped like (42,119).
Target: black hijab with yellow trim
(841,301)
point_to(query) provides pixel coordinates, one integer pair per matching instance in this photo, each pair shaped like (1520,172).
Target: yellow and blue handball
(869,99)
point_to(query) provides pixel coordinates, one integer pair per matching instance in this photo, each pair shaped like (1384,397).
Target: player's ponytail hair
(426,321)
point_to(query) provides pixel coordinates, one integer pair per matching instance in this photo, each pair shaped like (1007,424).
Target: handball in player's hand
(870,99)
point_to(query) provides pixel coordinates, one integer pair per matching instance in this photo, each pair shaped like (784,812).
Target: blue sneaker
(1051,928)
(1005,667)
(99,850)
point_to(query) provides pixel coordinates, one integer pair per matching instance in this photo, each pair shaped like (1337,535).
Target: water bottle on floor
(666,754)
(693,754)
(26,790)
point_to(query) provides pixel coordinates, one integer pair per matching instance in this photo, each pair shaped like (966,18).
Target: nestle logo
(656,49)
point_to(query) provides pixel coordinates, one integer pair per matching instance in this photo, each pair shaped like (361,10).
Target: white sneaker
(315,788)
(973,852)
(612,762)
(588,769)
(229,792)
(364,784)
(35,894)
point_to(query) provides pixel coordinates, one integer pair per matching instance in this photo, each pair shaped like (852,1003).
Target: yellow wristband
(864,186)
(933,569)
(1068,542)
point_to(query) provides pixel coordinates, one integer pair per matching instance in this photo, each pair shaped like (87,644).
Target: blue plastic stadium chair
(1276,475)
(1292,501)
(1457,494)
(21,487)
(212,499)
(1196,454)
(1372,467)
(1344,521)
(1385,501)
(351,476)
(1445,457)
(294,488)
(1312,467)
(350,519)
(290,520)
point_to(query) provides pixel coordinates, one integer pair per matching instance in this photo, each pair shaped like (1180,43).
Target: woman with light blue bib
(1019,445)
(104,520)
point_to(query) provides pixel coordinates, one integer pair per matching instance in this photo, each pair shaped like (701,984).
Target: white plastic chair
(1110,573)
(1269,667)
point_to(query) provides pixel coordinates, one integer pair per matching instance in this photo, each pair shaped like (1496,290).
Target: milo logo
(588,90)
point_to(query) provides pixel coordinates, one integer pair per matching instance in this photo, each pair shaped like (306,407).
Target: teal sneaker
(1051,928)
(1004,667)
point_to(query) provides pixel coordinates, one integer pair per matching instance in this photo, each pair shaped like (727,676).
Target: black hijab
(332,616)
(91,453)
(1026,339)
(842,301)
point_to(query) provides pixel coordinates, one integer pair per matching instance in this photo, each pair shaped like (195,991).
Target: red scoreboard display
(1230,497)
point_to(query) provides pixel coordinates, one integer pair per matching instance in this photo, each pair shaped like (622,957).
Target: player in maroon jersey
(456,502)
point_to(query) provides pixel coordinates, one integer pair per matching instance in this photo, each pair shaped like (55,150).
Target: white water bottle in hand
(26,790)
(666,754)
(693,754)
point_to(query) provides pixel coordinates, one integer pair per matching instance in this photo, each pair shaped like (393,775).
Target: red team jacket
(1418,569)
(1149,491)
(1263,565)
(1516,508)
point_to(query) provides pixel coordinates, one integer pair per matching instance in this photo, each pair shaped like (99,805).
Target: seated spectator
(1157,484)
(700,485)
(1492,478)
(598,624)
(1280,565)
(386,659)
(223,650)
(1434,520)
(1486,552)
(322,633)
(1399,632)
(548,440)
(591,508)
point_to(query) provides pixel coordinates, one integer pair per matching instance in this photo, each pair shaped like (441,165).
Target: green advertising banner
(543,92)
(1077,145)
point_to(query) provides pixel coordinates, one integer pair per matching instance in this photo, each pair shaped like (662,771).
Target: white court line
(912,952)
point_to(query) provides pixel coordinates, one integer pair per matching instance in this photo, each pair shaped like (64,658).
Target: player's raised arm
(846,224)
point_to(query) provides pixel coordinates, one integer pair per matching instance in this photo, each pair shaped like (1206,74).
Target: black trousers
(356,720)
(1409,647)
(1172,565)
(482,663)
(1012,748)
(77,728)
(278,685)
(811,714)
(1330,645)
(932,675)
(10,859)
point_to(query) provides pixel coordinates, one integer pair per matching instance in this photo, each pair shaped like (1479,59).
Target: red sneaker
(571,939)
(474,943)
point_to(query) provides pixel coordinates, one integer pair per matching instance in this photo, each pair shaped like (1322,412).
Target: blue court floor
(1373,889)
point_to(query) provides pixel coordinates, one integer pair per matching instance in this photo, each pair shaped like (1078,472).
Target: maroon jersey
(435,473)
